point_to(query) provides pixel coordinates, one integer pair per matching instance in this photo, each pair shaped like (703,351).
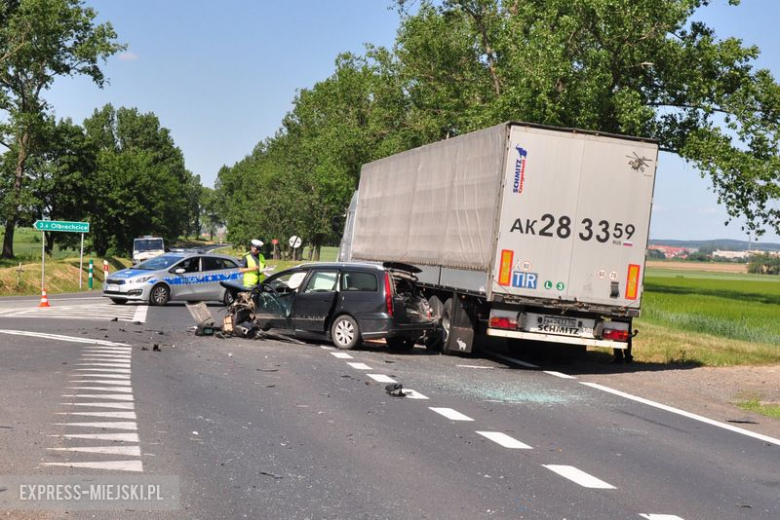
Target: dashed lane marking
(359,366)
(578,476)
(559,374)
(689,415)
(381,378)
(451,414)
(114,465)
(505,440)
(473,366)
(652,516)
(140,313)
(413,394)
(341,355)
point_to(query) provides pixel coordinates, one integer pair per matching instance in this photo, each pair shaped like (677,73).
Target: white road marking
(121,389)
(505,440)
(116,406)
(107,357)
(559,374)
(113,397)
(107,425)
(513,360)
(106,376)
(341,355)
(118,465)
(58,337)
(107,370)
(113,365)
(107,415)
(109,350)
(652,516)
(359,366)
(579,477)
(325,347)
(119,437)
(140,313)
(381,378)
(130,451)
(413,394)
(689,415)
(451,414)
(472,366)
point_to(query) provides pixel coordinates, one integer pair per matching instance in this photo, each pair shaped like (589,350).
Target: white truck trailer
(521,231)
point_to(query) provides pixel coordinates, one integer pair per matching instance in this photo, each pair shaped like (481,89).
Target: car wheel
(401,343)
(117,301)
(446,319)
(228,298)
(160,295)
(345,332)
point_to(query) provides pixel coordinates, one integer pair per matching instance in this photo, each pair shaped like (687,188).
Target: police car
(182,275)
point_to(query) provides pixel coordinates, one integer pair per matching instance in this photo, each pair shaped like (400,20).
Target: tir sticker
(524,280)
(632,283)
(505,269)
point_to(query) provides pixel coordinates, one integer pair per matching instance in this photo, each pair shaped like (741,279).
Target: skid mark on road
(104,391)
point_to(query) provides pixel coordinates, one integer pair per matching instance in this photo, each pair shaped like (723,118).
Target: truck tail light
(503,322)
(616,335)
(389,294)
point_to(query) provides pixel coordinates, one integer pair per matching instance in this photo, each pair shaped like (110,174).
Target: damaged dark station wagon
(345,303)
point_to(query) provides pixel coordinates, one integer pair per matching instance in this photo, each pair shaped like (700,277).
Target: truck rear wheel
(433,340)
(446,322)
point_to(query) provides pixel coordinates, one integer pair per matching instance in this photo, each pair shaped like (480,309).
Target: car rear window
(355,281)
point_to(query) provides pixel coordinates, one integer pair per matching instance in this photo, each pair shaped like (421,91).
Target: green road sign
(62,226)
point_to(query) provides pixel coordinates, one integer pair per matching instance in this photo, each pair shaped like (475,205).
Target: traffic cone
(44,299)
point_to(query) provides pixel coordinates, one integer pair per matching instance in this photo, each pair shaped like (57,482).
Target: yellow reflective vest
(253,278)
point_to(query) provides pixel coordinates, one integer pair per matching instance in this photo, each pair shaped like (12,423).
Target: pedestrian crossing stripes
(94,434)
(88,310)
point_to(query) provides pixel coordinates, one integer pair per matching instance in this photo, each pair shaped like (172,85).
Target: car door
(273,305)
(214,270)
(315,301)
(183,283)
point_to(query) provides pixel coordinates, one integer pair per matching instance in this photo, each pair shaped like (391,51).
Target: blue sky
(221,75)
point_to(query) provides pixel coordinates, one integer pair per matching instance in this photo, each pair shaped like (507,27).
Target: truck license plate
(559,325)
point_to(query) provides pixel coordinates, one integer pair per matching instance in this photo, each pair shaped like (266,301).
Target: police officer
(253,264)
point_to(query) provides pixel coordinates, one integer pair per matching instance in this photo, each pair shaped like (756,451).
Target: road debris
(395,389)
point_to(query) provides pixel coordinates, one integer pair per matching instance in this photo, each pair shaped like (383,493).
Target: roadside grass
(62,276)
(766,409)
(27,248)
(709,318)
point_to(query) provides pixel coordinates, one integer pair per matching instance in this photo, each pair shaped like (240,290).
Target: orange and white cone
(44,299)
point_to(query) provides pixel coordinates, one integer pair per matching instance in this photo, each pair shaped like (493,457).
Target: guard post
(91,269)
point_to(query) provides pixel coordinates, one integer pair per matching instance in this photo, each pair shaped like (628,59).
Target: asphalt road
(265,429)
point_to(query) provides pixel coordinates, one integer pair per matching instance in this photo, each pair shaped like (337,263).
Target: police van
(147,247)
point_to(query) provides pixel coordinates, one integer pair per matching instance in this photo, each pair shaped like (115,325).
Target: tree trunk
(10,226)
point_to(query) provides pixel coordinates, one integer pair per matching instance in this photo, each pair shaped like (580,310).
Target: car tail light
(389,294)
(503,322)
(616,335)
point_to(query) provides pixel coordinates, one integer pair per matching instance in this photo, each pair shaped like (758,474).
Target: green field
(27,248)
(709,318)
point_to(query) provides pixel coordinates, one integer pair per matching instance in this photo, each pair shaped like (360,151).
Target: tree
(142,184)
(39,41)
(636,67)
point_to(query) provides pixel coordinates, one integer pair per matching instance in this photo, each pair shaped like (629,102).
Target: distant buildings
(673,252)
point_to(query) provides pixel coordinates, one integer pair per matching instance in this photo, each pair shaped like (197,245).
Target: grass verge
(767,409)
(62,276)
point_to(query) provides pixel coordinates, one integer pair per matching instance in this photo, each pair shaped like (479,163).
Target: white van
(147,247)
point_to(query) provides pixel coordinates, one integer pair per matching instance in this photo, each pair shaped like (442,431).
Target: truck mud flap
(461,337)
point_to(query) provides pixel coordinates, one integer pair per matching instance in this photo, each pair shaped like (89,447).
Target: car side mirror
(180,270)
